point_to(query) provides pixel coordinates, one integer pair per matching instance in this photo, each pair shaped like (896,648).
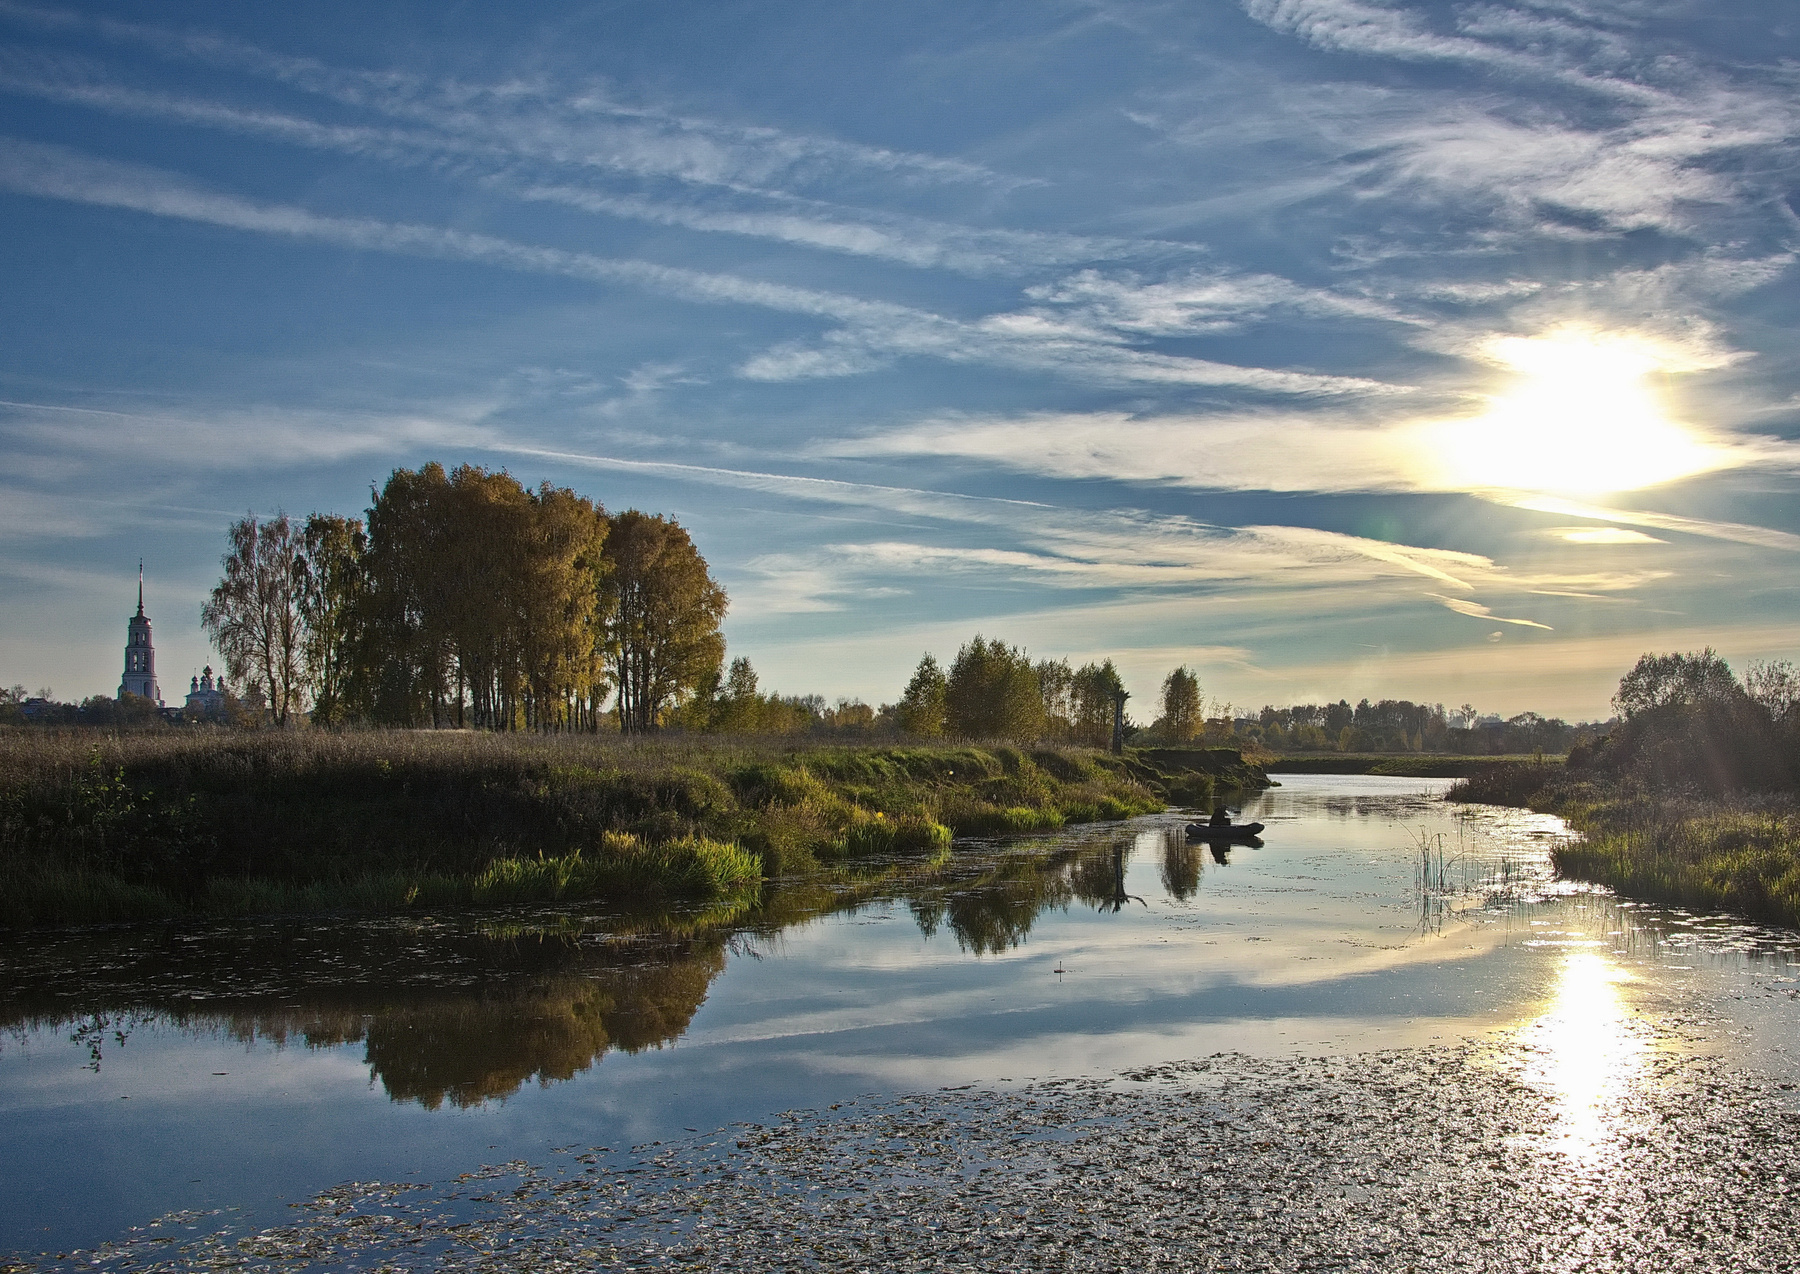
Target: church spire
(140,588)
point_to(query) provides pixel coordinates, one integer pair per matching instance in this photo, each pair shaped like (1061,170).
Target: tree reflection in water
(1181,866)
(467,1049)
(465,1009)
(448,1011)
(994,911)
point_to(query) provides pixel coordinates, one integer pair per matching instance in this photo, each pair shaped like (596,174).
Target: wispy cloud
(1463,606)
(1349,449)
(1114,550)
(1233,451)
(1736,532)
(235,439)
(580,125)
(1599,535)
(1519,43)
(549,178)
(876,331)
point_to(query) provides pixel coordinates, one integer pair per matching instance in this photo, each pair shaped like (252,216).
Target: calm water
(243,1065)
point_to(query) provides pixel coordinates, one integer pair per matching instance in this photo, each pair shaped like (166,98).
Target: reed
(1715,857)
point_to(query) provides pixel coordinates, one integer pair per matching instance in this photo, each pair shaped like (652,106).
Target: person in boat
(1221,817)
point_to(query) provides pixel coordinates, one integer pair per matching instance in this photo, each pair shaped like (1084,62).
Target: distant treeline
(1399,725)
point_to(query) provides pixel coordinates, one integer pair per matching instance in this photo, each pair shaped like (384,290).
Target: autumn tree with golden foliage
(664,640)
(1182,715)
(472,601)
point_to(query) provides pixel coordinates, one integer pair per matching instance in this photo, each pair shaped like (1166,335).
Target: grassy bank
(1733,853)
(1427,765)
(138,826)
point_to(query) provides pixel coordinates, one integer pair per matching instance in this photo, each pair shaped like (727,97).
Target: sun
(1580,417)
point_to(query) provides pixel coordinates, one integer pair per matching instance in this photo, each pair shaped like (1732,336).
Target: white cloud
(1462,606)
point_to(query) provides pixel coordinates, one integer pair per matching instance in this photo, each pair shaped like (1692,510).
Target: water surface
(240,1065)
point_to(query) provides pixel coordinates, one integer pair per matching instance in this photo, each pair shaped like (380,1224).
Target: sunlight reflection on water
(1587,1055)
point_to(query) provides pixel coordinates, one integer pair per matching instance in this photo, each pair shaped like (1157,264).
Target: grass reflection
(464,1009)
(1587,1055)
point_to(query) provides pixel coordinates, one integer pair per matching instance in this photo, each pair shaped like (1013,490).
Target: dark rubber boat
(1239,832)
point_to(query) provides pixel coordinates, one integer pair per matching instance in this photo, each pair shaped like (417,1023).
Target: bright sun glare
(1579,419)
(1586,1055)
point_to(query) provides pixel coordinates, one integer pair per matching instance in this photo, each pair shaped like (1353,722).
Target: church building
(140,655)
(206,699)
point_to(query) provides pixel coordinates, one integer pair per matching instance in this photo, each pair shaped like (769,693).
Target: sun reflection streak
(1587,1055)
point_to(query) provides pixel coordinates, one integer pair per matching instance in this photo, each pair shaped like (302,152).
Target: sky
(1333,348)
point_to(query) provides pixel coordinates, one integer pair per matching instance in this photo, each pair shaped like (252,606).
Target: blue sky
(1333,347)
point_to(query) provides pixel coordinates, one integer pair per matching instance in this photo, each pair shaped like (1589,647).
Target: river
(229,1069)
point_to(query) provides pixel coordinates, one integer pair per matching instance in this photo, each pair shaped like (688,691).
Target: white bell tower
(140,655)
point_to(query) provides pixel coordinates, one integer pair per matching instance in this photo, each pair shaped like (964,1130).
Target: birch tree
(253,615)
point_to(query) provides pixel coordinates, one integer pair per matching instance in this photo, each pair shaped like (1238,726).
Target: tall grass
(1713,857)
(1739,852)
(97,826)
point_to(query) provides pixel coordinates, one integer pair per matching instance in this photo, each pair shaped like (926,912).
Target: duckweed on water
(1425,1159)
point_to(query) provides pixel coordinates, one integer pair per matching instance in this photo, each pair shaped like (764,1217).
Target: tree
(1690,680)
(992,692)
(1056,689)
(330,597)
(1775,685)
(484,596)
(403,656)
(663,640)
(922,709)
(1182,713)
(253,615)
(1097,689)
(736,706)
(561,602)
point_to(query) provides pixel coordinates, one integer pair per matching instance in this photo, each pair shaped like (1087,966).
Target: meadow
(108,827)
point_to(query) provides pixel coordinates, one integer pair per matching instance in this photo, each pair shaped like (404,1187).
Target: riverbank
(140,826)
(1737,853)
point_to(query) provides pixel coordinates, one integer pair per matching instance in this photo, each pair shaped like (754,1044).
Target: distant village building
(140,655)
(206,699)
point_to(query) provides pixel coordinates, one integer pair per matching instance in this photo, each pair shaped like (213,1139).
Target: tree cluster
(1690,724)
(466,599)
(996,691)
(736,706)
